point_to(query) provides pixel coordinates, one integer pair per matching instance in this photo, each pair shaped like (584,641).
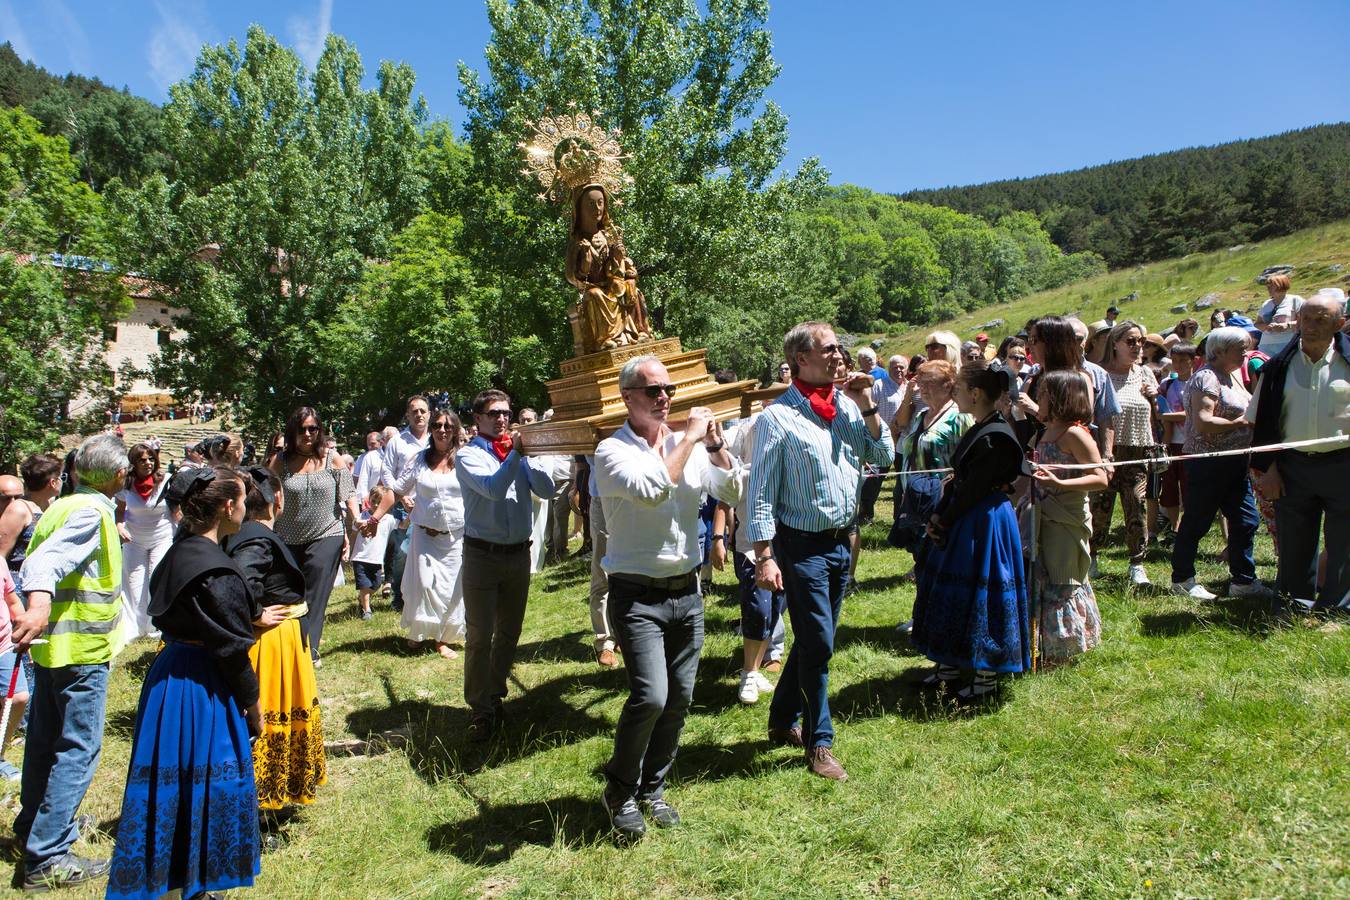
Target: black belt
(490,547)
(673,584)
(1324,456)
(829,534)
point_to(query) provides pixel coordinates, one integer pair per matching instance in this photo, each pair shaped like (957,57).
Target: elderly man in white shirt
(652,481)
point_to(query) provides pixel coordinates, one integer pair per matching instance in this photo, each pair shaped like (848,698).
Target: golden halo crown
(569,151)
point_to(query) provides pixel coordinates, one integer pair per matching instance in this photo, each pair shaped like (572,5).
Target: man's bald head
(11,488)
(1079,328)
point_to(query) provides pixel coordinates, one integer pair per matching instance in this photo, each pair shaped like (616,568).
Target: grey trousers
(559,517)
(604,634)
(661,637)
(496,586)
(1316,491)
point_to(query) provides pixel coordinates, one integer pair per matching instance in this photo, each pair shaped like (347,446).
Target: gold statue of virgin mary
(573,157)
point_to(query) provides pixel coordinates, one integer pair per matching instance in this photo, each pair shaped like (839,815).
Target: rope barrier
(1156,460)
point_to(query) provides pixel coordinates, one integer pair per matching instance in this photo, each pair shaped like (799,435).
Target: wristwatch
(869,412)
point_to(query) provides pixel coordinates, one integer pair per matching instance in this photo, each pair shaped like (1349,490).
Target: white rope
(1158,460)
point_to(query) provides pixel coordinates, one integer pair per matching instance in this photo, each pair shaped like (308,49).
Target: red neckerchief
(501,445)
(820,397)
(144,486)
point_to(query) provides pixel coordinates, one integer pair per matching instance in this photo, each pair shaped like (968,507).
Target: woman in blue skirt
(970,613)
(190,811)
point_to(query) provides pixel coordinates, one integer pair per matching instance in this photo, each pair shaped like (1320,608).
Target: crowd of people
(1005,461)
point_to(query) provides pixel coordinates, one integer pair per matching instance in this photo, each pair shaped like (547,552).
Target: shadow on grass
(883,583)
(388,644)
(1254,617)
(497,832)
(906,696)
(571,647)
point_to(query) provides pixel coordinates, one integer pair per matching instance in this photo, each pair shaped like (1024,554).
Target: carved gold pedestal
(587,407)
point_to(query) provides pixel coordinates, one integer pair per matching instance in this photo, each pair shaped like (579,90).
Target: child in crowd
(1068,618)
(368,552)
(288,759)
(11,608)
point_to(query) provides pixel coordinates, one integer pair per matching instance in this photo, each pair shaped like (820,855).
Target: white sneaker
(749,692)
(1138,577)
(1189,588)
(765,685)
(1093,571)
(1256,590)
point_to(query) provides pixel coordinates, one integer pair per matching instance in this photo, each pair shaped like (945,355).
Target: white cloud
(308,35)
(65,23)
(12,31)
(173,47)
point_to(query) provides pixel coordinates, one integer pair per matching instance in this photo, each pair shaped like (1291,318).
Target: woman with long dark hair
(320,500)
(190,811)
(433,589)
(146,526)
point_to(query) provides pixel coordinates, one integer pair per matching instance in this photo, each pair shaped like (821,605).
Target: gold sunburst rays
(569,151)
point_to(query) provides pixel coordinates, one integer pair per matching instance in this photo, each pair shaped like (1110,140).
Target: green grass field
(1163,285)
(1200,751)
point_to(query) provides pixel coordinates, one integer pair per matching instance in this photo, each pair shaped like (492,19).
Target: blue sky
(891,95)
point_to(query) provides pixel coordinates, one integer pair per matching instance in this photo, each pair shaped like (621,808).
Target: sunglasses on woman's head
(655,390)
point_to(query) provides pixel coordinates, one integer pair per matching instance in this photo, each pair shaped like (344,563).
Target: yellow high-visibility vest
(87,605)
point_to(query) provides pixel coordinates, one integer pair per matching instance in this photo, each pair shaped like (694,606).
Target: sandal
(984,684)
(942,675)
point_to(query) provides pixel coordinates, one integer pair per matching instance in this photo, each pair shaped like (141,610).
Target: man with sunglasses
(652,480)
(497,480)
(810,448)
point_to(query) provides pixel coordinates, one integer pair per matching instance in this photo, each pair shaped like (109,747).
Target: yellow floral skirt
(288,760)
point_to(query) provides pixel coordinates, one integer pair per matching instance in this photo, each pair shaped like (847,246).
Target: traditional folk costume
(288,760)
(971,608)
(190,812)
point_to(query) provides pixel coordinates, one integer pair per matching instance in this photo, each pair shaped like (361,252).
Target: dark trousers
(815,576)
(761,609)
(60,754)
(559,517)
(1214,486)
(661,637)
(496,586)
(1316,486)
(871,490)
(319,560)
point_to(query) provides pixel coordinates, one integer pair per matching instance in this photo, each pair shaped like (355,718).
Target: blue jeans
(1214,486)
(815,576)
(661,637)
(65,737)
(399,560)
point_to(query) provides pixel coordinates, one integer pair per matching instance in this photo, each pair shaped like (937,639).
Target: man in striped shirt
(810,448)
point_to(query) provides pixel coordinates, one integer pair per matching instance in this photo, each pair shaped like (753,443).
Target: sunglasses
(443,426)
(310,429)
(1133,342)
(656,390)
(933,346)
(497,413)
(831,350)
(1017,357)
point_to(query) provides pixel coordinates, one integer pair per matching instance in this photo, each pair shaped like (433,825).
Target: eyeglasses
(1133,342)
(831,350)
(1021,357)
(496,413)
(443,426)
(934,346)
(310,429)
(656,390)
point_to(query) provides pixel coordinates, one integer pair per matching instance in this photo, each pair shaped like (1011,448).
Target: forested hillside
(1170,204)
(112,134)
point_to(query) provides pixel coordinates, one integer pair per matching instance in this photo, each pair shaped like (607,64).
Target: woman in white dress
(146,526)
(433,592)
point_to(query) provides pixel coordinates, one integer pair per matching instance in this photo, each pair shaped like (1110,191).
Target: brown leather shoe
(786,737)
(821,762)
(607,659)
(772,666)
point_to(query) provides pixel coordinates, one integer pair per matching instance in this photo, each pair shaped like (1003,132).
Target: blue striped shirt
(807,474)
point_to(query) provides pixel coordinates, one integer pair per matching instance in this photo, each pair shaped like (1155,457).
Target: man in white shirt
(398,455)
(369,467)
(1304,394)
(652,481)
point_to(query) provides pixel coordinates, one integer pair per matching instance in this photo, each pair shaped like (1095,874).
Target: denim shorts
(369,576)
(7,660)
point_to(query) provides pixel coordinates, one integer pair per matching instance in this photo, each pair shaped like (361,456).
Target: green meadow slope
(1320,256)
